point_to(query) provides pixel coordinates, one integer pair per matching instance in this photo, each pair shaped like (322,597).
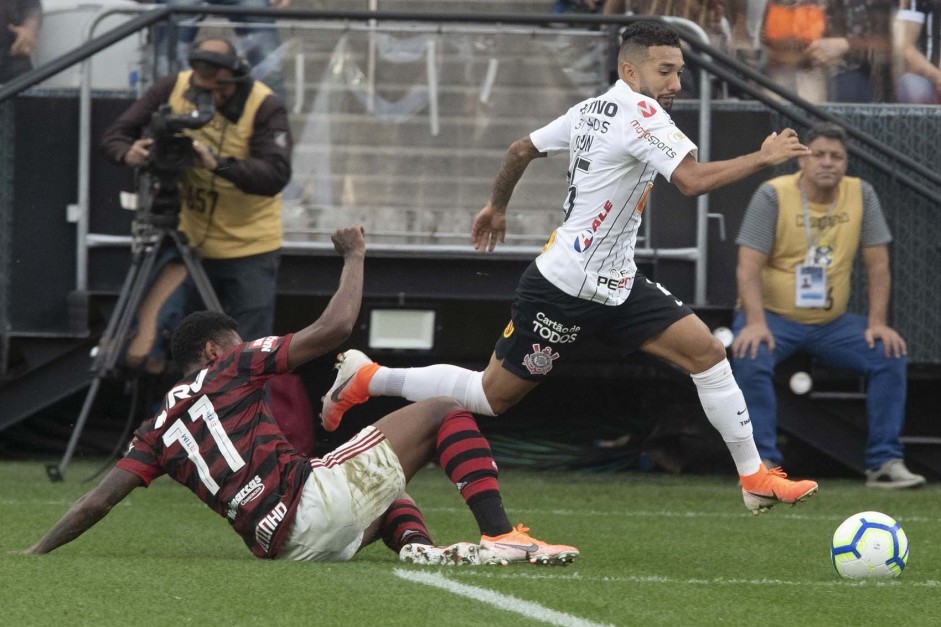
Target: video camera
(158,179)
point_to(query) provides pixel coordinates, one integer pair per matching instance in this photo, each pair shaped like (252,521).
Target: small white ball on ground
(724,335)
(801,383)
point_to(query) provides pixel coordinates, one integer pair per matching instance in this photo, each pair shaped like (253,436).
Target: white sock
(724,404)
(415,384)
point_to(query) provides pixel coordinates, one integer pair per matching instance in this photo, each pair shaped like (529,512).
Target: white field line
(698,581)
(733,513)
(782,511)
(500,601)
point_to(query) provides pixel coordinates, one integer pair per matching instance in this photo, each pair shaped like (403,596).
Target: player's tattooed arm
(515,161)
(489,226)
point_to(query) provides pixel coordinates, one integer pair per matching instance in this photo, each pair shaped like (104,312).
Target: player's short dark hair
(194,331)
(828,130)
(643,34)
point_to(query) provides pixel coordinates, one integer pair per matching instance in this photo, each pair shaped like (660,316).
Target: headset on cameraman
(240,69)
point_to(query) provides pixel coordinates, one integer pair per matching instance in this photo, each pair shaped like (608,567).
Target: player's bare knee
(711,354)
(501,396)
(501,404)
(498,406)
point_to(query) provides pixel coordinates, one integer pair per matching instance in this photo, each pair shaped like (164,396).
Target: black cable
(122,439)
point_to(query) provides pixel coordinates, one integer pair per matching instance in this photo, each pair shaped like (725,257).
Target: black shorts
(547,324)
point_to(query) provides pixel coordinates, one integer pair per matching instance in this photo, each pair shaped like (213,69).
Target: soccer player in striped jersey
(586,282)
(215,435)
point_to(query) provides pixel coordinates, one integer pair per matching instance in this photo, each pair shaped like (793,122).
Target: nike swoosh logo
(528,548)
(335,396)
(738,412)
(773,495)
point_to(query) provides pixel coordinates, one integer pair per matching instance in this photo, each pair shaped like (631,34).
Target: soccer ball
(869,545)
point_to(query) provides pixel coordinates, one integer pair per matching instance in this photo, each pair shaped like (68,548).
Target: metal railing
(713,61)
(150,16)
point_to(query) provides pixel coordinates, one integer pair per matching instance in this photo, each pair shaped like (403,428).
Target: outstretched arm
(336,322)
(490,224)
(88,510)
(693,178)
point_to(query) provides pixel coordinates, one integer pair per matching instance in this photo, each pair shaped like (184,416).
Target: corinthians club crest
(540,360)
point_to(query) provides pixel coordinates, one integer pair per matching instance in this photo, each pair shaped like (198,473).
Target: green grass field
(655,550)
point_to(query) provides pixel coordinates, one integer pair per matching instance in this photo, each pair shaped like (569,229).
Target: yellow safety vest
(220,220)
(841,232)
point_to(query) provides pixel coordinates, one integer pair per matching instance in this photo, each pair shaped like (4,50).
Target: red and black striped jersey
(215,435)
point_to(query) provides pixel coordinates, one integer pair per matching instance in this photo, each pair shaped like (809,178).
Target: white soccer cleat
(461,553)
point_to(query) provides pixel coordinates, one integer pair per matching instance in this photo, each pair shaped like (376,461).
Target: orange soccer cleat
(350,388)
(765,488)
(518,546)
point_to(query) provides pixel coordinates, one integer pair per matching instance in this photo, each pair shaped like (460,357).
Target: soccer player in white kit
(586,281)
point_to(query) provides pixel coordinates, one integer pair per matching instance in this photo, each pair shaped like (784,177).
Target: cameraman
(230,193)
(230,205)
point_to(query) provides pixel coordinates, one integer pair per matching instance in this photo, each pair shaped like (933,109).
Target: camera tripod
(148,234)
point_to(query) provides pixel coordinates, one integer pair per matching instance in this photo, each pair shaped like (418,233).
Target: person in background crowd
(577,6)
(790,27)
(857,51)
(830,51)
(20,21)
(918,50)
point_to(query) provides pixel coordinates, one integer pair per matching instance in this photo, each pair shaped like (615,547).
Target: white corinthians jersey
(617,143)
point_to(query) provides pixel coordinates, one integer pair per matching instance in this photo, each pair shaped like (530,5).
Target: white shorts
(347,491)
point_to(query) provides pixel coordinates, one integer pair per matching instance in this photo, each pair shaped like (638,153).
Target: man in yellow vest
(231,194)
(230,210)
(797,243)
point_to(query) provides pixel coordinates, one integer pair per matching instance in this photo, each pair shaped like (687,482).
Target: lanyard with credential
(810,277)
